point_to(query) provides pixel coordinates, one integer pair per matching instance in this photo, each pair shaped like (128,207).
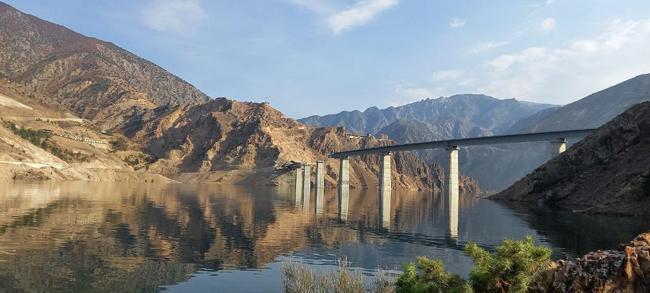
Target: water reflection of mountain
(92,237)
(580,233)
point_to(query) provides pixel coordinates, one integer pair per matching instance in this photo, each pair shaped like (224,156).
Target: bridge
(557,139)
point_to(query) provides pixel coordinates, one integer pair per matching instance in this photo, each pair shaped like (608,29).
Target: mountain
(450,117)
(97,80)
(154,121)
(606,172)
(591,111)
(497,167)
(504,165)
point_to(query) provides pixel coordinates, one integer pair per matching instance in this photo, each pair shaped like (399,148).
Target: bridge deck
(474,141)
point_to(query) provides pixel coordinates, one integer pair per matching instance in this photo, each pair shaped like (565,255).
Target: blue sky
(322,56)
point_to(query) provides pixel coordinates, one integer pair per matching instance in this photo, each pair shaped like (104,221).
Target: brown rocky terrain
(624,270)
(607,172)
(95,79)
(225,141)
(42,143)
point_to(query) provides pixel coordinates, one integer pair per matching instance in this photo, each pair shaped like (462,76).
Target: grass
(298,278)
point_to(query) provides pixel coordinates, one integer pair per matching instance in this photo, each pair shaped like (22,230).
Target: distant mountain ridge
(495,167)
(591,111)
(451,117)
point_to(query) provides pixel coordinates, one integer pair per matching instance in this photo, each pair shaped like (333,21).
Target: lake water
(90,237)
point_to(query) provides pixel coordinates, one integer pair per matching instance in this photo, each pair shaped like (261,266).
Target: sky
(309,57)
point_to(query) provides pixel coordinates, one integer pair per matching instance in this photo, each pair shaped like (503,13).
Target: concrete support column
(306,185)
(385,187)
(344,188)
(452,190)
(558,146)
(298,185)
(320,186)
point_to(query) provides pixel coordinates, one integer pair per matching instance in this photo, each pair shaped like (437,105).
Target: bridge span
(557,139)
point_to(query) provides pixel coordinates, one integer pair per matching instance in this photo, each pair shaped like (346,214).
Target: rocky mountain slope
(95,79)
(38,141)
(450,117)
(591,111)
(219,139)
(607,172)
(179,129)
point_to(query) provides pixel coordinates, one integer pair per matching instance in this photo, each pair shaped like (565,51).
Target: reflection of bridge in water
(557,139)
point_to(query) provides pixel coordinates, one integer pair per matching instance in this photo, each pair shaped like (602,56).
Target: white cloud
(359,14)
(554,74)
(487,46)
(547,24)
(583,66)
(457,23)
(446,75)
(177,16)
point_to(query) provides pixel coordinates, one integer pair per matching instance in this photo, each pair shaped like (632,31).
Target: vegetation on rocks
(42,139)
(511,268)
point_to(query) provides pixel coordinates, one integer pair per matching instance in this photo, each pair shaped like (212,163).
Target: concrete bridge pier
(452,190)
(298,185)
(320,186)
(385,187)
(306,185)
(558,146)
(344,188)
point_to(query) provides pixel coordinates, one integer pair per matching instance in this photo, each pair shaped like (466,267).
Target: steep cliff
(607,172)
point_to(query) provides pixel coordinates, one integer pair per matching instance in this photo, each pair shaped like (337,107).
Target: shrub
(511,268)
(428,275)
(119,145)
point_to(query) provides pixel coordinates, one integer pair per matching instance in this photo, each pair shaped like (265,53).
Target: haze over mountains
(477,115)
(449,117)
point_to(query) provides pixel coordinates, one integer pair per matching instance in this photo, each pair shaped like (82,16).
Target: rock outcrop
(606,172)
(624,270)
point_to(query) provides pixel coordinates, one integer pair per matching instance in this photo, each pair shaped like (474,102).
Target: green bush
(428,275)
(511,268)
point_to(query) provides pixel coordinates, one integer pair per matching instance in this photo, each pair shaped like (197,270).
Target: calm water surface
(89,237)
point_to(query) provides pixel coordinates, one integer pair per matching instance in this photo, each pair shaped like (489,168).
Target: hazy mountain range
(495,167)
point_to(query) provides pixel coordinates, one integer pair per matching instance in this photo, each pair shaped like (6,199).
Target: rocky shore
(626,269)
